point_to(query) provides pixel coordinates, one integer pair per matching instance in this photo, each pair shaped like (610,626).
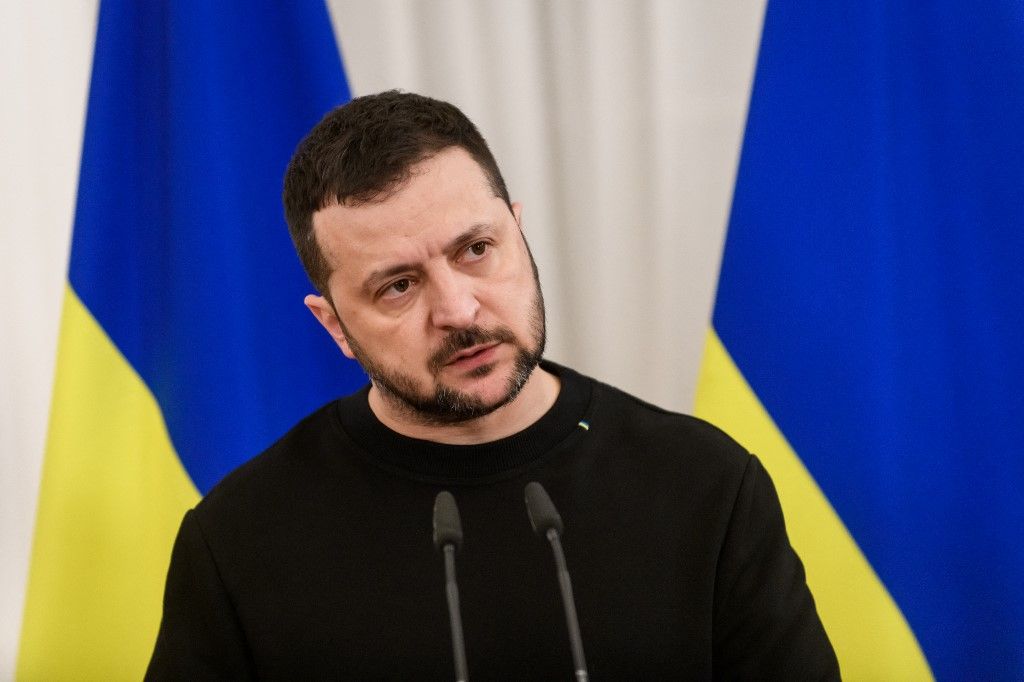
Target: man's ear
(324,313)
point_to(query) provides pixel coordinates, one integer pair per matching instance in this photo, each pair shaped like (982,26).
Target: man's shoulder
(289,463)
(632,423)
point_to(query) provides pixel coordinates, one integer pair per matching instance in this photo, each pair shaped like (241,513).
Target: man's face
(435,292)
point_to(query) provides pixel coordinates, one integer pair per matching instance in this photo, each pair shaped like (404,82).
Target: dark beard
(448,405)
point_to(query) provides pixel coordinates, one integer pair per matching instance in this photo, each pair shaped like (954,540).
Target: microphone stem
(569,603)
(451,591)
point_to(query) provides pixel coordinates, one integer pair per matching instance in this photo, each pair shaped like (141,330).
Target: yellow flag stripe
(872,638)
(112,495)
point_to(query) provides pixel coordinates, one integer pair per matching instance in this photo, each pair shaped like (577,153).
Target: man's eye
(397,288)
(478,249)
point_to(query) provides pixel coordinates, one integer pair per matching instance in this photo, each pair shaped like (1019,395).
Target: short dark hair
(363,151)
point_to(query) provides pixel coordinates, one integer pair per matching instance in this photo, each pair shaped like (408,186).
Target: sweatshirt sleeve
(765,624)
(200,637)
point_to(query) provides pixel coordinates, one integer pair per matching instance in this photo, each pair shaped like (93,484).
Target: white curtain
(617,125)
(45,59)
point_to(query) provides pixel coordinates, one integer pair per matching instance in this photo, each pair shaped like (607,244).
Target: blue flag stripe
(180,249)
(871,294)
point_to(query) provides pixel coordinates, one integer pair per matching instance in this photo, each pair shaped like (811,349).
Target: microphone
(448,538)
(547,523)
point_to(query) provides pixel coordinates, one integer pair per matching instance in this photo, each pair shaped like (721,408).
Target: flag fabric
(184,347)
(866,337)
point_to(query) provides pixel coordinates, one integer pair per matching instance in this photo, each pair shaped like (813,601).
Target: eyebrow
(472,233)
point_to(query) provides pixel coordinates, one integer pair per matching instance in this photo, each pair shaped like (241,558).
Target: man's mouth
(477,354)
(469,348)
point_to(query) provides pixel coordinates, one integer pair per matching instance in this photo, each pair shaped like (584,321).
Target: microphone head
(541,510)
(447,525)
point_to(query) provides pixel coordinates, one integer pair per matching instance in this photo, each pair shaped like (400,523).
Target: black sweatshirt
(315,560)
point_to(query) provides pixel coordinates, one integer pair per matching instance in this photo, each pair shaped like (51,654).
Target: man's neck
(533,401)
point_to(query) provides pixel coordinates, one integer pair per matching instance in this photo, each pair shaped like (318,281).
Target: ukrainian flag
(866,337)
(184,346)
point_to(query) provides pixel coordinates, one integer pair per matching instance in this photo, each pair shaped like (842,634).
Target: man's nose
(454,304)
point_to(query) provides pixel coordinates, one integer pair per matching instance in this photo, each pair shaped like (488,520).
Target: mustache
(467,338)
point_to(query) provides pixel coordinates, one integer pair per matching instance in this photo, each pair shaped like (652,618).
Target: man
(315,559)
